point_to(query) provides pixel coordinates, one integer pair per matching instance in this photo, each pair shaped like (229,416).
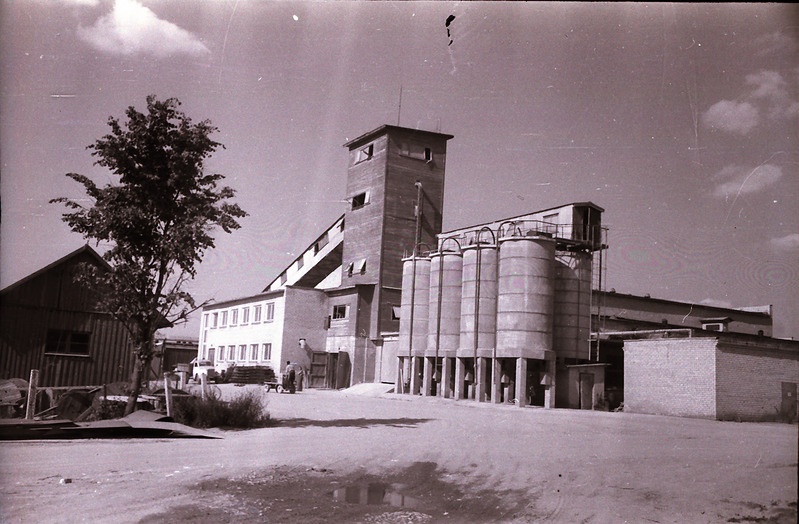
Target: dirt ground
(345,457)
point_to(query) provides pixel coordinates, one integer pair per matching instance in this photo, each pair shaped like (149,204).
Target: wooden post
(32,385)
(203,387)
(168,394)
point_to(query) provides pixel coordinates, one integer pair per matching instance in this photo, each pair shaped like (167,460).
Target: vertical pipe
(32,387)
(168,394)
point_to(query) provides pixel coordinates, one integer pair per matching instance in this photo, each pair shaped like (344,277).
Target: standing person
(291,376)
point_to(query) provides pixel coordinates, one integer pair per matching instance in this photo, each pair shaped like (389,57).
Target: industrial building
(510,311)
(500,311)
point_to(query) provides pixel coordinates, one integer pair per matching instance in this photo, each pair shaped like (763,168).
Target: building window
(713,327)
(234,317)
(256,314)
(320,244)
(364,154)
(416,151)
(243,352)
(231,353)
(340,312)
(360,200)
(223,319)
(270,312)
(356,268)
(283,278)
(221,353)
(396,312)
(266,351)
(301,261)
(205,320)
(245,315)
(253,352)
(67,342)
(214,320)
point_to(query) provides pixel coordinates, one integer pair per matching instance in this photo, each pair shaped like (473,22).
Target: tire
(279,389)
(267,388)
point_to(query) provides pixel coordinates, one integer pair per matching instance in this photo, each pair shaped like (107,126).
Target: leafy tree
(157,220)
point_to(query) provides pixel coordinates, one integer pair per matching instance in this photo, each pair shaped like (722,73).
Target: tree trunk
(135,386)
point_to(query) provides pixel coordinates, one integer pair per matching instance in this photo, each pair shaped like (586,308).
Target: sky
(680,120)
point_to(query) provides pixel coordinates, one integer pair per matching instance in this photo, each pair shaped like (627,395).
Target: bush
(247,410)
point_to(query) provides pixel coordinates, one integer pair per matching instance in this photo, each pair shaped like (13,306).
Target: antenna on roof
(399,109)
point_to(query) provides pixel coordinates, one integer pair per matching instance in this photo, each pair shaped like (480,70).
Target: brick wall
(671,377)
(749,381)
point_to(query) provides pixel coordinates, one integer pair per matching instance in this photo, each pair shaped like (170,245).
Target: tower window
(396,312)
(417,151)
(363,154)
(339,312)
(360,200)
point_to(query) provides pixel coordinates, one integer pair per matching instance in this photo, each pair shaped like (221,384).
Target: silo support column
(427,378)
(460,378)
(496,386)
(399,386)
(521,382)
(482,369)
(549,391)
(446,373)
(415,371)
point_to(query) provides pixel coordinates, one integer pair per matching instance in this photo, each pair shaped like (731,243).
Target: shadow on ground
(353,422)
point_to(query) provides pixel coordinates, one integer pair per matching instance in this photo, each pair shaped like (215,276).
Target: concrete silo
(572,328)
(444,323)
(414,318)
(525,311)
(478,320)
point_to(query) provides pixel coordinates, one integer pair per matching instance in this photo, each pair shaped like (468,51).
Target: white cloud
(130,28)
(786,243)
(741,180)
(775,43)
(768,84)
(732,117)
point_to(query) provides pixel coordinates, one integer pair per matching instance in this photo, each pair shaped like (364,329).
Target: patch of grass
(247,410)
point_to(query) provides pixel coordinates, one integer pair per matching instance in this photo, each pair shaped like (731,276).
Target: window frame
(337,315)
(69,346)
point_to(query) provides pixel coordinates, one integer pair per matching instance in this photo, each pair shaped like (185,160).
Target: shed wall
(671,377)
(749,382)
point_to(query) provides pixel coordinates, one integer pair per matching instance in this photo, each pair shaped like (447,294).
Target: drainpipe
(440,298)
(477,307)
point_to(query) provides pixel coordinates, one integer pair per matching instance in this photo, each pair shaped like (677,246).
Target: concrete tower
(395,187)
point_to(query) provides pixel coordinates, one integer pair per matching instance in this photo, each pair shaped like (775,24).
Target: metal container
(444,324)
(525,306)
(572,323)
(414,306)
(479,280)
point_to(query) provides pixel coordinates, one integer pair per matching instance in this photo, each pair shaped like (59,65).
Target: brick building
(725,376)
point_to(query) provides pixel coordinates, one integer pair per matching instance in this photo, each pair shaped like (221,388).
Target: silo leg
(480,394)
(446,373)
(399,386)
(496,375)
(549,392)
(415,382)
(460,378)
(521,382)
(427,378)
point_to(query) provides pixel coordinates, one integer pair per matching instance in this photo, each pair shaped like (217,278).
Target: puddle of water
(374,494)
